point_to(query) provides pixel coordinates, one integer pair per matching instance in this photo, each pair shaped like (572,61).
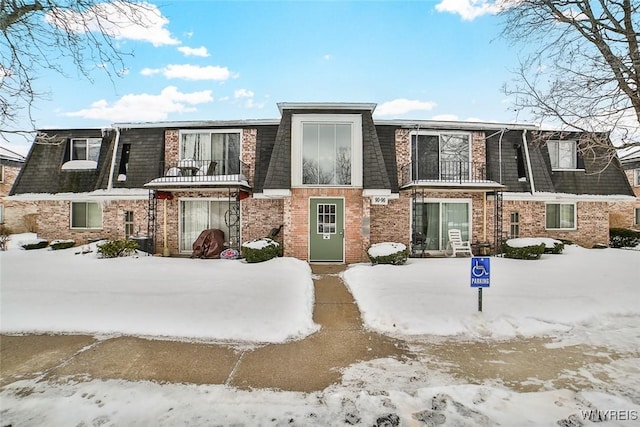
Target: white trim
(113,159)
(355,120)
(275,193)
(370,192)
(575,216)
(528,158)
(326,106)
(96,195)
(636,178)
(564,197)
(344,225)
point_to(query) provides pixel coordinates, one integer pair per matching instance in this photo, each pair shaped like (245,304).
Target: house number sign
(379,200)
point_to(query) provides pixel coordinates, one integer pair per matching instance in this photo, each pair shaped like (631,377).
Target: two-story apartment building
(336,180)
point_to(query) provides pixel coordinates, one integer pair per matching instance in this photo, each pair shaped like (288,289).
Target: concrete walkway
(307,365)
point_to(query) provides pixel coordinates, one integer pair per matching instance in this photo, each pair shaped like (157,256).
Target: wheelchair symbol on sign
(479,269)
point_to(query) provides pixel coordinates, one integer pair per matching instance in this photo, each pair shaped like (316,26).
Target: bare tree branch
(583,73)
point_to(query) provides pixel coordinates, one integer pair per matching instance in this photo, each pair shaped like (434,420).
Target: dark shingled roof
(376,164)
(42,172)
(265,142)
(146,157)
(507,173)
(387,141)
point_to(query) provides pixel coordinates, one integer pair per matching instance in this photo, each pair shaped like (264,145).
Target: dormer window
(326,150)
(85,149)
(563,154)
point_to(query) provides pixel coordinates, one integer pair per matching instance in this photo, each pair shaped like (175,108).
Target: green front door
(326,232)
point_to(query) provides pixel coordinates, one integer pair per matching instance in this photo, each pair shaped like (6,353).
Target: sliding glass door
(199,215)
(435,218)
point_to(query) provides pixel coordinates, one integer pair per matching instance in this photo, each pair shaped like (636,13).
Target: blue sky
(209,60)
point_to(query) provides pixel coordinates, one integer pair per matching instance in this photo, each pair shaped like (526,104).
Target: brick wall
(259,216)
(171,146)
(622,214)
(14,211)
(54,220)
(592,222)
(296,221)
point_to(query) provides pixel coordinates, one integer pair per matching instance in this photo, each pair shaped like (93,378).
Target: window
(326,218)
(563,154)
(326,150)
(442,156)
(561,216)
(514,225)
(637,216)
(434,218)
(85,149)
(198,215)
(86,215)
(1,214)
(128,224)
(636,177)
(207,146)
(1,173)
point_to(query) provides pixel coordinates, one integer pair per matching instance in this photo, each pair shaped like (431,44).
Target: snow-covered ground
(589,297)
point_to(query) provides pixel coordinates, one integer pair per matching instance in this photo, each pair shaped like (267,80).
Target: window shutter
(67,150)
(579,160)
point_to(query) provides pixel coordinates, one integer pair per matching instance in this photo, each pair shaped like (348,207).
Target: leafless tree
(582,72)
(42,36)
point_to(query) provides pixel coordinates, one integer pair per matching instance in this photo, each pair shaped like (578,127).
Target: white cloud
(402,106)
(190,72)
(194,51)
(145,107)
(328,57)
(131,21)
(243,93)
(471,9)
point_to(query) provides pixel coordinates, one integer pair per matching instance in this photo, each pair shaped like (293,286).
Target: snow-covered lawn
(190,299)
(585,288)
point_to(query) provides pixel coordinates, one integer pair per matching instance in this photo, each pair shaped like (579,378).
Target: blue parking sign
(480,272)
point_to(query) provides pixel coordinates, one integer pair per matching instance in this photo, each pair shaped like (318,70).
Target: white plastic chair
(456,243)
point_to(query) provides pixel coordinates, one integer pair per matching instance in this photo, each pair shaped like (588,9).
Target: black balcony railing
(444,172)
(204,171)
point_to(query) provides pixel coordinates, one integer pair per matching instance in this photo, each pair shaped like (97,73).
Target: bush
(117,248)
(553,247)
(5,236)
(623,238)
(34,244)
(523,252)
(388,253)
(61,244)
(260,250)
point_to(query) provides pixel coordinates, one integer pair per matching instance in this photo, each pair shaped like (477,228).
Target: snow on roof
(7,154)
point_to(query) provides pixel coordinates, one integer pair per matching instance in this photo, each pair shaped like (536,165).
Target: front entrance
(326,229)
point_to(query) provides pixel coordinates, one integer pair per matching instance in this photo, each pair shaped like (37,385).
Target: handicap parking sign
(480,272)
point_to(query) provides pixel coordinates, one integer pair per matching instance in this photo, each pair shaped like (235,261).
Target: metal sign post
(480,276)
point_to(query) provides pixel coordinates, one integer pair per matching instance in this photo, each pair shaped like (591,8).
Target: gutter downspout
(113,158)
(526,154)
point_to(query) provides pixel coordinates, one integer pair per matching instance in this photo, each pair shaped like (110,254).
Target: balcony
(202,173)
(446,173)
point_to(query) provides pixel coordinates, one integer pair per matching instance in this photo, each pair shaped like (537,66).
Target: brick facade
(13,211)
(55,224)
(623,213)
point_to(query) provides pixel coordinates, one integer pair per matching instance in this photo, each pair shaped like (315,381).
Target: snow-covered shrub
(61,244)
(523,248)
(117,248)
(34,244)
(388,253)
(623,238)
(259,250)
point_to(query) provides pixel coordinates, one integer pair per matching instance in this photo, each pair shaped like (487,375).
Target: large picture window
(440,156)
(86,215)
(562,154)
(205,147)
(326,154)
(561,216)
(326,150)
